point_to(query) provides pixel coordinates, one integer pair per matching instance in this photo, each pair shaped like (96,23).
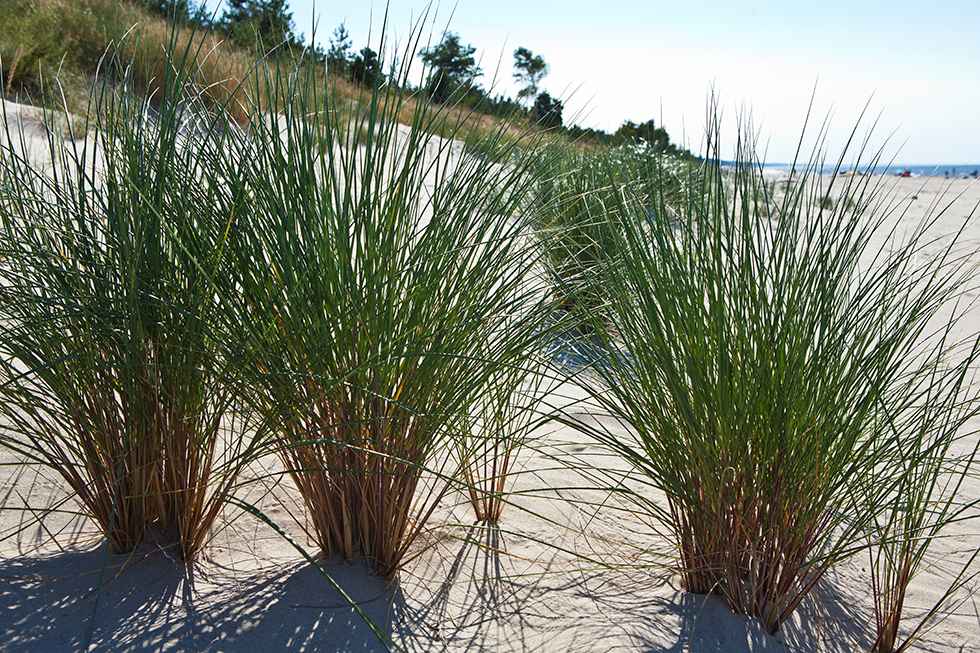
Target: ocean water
(959,171)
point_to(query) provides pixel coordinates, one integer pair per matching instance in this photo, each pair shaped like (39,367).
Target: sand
(567,570)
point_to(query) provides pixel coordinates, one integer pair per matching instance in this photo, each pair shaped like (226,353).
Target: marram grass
(576,208)
(386,280)
(770,368)
(111,371)
(491,441)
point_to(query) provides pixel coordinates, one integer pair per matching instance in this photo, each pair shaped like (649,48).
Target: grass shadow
(474,605)
(150,602)
(487,593)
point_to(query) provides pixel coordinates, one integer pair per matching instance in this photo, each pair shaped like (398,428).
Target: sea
(958,171)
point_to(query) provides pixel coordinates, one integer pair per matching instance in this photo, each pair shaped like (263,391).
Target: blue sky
(915,65)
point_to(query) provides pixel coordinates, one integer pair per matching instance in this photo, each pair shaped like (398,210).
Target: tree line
(452,71)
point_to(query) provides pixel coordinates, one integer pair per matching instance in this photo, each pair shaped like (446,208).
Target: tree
(264,23)
(647,133)
(366,67)
(182,11)
(338,57)
(530,70)
(451,65)
(547,111)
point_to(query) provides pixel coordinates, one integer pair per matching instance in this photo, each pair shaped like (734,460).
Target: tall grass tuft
(760,352)
(386,285)
(576,211)
(111,371)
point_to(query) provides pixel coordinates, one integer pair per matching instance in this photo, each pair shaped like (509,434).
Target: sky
(911,68)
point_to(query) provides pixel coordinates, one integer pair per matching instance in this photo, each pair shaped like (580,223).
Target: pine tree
(452,66)
(263,23)
(547,111)
(531,69)
(338,56)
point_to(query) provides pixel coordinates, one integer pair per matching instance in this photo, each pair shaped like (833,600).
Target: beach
(571,567)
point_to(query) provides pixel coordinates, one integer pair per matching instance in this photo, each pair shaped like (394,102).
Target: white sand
(562,574)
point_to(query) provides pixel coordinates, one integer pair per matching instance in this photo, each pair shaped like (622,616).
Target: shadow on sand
(493,599)
(149,602)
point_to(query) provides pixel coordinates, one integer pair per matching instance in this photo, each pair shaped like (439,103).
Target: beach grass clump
(576,209)
(386,283)
(111,371)
(762,365)
(829,203)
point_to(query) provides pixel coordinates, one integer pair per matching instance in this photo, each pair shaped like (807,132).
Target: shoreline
(915,171)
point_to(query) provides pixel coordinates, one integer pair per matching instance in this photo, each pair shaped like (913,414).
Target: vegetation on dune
(260,249)
(52,49)
(793,401)
(578,208)
(388,288)
(61,38)
(113,374)
(64,45)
